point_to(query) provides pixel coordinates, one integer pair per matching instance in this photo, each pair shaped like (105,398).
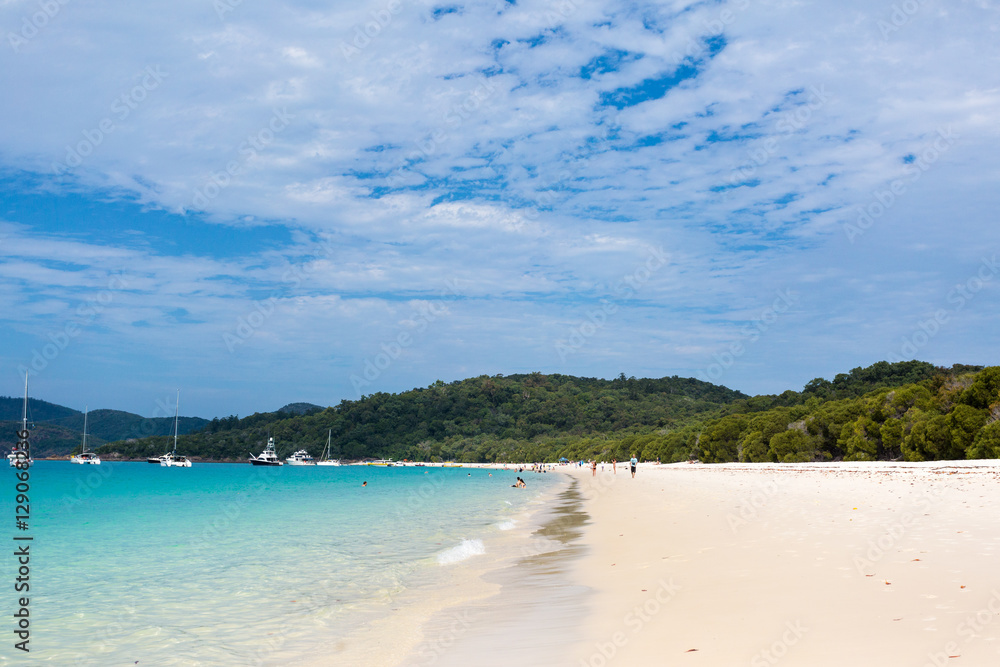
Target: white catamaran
(170,459)
(18,457)
(84,456)
(325,459)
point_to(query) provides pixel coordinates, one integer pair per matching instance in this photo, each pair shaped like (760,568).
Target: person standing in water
(634,463)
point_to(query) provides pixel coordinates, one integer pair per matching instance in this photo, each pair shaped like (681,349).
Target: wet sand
(538,607)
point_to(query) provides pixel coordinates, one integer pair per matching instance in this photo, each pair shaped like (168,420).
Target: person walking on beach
(614,466)
(593,468)
(634,463)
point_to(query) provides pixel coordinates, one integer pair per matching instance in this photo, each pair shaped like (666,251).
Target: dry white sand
(837,564)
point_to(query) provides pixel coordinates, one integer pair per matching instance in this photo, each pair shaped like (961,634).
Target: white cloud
(452,150)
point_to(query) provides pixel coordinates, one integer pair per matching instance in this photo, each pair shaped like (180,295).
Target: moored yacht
(268,457)
(300,458)
(170,459)
(325,459)
(84,456)
(20,455)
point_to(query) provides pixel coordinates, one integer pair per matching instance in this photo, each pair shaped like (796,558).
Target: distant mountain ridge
(58,430)
(11,409)
(300,408)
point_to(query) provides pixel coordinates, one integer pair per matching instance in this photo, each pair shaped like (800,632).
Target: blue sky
(262,203)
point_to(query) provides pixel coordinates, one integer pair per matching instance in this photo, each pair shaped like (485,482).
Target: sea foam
(507,525)
(467,549)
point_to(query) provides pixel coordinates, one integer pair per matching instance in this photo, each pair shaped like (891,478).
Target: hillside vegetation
(909,410)
(518,417)
(46,439)
(57,430)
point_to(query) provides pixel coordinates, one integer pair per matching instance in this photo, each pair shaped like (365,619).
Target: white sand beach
(835,564)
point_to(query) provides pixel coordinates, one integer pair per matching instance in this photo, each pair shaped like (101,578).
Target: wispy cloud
(530,152)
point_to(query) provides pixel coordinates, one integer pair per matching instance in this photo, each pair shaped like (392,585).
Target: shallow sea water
(229,564)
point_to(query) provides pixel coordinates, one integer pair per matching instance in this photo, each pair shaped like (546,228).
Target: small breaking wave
(507,525)
(467,549)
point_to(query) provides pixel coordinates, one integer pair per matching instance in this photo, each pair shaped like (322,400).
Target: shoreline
(537,608)
(814,564)
(420,624)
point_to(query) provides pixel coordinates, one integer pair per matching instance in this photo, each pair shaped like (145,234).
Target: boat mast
(177,411)
(24,415)
(86,408)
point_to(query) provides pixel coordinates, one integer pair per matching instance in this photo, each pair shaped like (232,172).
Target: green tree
(861,439)
(964,422)
(987,443)
(985,390)
(792,446)
(891,433)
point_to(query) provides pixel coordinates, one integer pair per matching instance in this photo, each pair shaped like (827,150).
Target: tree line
(909,410)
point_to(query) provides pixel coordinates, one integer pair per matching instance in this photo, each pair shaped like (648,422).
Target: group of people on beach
(614,466)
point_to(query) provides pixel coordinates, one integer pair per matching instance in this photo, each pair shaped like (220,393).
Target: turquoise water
(231,564)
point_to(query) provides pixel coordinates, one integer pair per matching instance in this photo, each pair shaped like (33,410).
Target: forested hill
(940,414)
(12,408)
(909,410)
(483,418)
(56,430)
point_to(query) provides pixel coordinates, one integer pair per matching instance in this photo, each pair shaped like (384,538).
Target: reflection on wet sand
(538,611)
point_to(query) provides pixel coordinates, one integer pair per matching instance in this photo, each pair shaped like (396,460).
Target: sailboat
(84,456)
(325,459)
(170,459)
(20,456)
